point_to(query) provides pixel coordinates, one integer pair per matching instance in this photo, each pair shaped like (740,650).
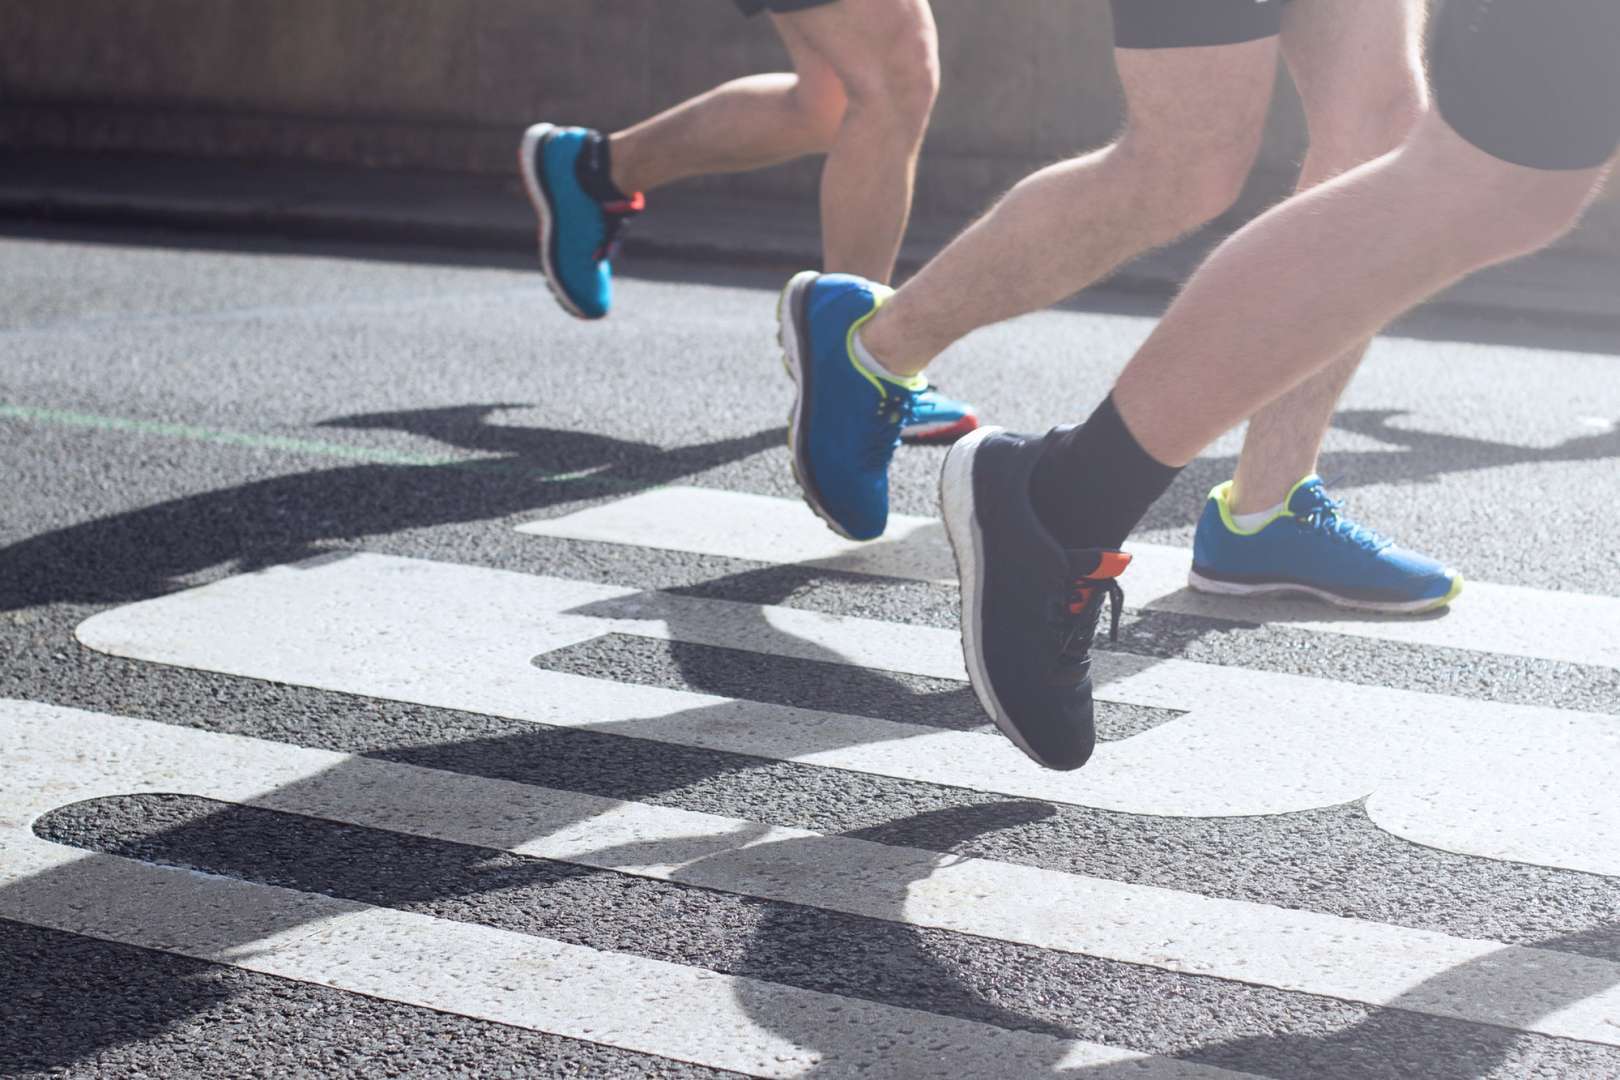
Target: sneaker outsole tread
(1216,587)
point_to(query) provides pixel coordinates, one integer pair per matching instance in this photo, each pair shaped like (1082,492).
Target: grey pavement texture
(80,1007)
(180,407)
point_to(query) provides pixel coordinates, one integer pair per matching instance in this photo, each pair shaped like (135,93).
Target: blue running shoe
(937,419)
(1030,607)
(579,232)
(846,421)
(1312,548)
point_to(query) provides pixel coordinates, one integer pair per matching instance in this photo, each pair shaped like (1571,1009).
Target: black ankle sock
(1094,483)
(594,168)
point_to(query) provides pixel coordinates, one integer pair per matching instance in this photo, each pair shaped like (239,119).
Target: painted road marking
(1464,775)
(652,1007)
(648,1006)
(759,528)
(56,756)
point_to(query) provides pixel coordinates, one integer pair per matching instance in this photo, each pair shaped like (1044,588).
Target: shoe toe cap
(1067,743)
(1403,571)
(589,289)
(859,519)
(1055,726)
(854,496)
(1067,754)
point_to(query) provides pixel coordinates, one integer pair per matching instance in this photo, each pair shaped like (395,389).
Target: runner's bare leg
(1358,65)
(1195,117)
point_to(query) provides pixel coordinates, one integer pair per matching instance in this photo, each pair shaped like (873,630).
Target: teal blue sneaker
(937,419)
(846,420)
(580,228)
(1311,548)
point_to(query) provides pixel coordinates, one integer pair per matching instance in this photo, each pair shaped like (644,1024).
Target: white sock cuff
(1251,522)
(875,366)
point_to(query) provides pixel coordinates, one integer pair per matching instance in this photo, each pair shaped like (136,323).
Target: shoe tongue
(1097,564)
(1308,495)
(594,169)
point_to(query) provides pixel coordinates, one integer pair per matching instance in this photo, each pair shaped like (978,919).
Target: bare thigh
(1200,104)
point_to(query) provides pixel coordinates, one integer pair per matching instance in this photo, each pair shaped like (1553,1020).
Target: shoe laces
(896,407)
(1326,516)
(615,216)
(1075,620)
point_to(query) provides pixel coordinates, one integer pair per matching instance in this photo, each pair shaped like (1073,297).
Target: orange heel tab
(1112,565)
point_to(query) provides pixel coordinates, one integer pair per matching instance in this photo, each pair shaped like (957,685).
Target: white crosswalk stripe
(1553,993)
(759,528)
(1464,775)
(613,998)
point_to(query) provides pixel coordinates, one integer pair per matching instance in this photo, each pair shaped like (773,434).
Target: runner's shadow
(580,760)
(875,955)
(631,760)
(846,953)
(777,666)
(1279,609)
(150,551)
(1418,456)
(344,862)
(1521,988)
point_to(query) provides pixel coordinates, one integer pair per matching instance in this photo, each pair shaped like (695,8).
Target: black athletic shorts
(781,7)
(1533,82)
(1178,24)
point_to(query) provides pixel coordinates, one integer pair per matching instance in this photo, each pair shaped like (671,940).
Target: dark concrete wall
(448,84)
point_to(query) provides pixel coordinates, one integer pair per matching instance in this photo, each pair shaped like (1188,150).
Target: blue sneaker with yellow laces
(1311,548)
(582,215)
(846,419)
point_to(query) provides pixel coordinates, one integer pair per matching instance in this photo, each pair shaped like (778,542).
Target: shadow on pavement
(539,756)
(1419,456)
(135,555)
(144,553)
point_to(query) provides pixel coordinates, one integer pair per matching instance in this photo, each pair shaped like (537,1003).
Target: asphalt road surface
(398,677)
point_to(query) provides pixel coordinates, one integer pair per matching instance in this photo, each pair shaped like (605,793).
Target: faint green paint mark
(308,447)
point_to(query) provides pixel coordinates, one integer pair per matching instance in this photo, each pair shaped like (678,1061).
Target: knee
(821,105)
(902,84)
(1194,178)
(1351,130)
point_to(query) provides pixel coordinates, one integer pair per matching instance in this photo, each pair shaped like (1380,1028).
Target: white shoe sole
(967,543)
(1213,587)
(542,209)
(792,336)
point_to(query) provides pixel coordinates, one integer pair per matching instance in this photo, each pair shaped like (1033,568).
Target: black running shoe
(1029,607)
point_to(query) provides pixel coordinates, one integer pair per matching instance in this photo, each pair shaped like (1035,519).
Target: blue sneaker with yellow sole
(580,228)
(846,420)
(1311,548)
